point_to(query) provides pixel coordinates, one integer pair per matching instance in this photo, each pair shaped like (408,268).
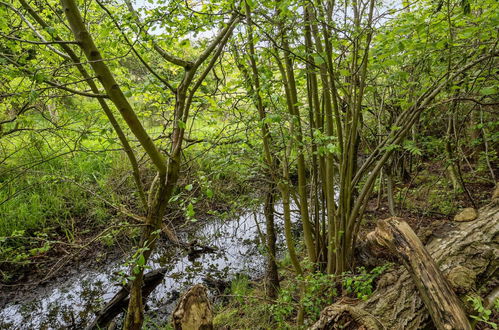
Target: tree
(195,70)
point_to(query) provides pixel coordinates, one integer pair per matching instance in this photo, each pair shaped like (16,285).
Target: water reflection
(72,303)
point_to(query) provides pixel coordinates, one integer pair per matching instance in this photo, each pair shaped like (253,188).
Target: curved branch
(147,66)
(167,56)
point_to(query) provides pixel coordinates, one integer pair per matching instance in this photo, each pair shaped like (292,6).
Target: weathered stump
(467,255)
(193,311)
(439,298)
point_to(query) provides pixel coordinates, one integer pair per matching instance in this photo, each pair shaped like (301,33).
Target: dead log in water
(119,303)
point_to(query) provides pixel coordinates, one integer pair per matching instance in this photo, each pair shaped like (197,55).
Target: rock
(193,311)
(462,279)
(468,214)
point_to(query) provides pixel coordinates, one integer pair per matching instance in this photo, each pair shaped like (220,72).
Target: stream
(72,302)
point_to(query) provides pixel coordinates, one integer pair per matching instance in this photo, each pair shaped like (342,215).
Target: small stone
(468,214)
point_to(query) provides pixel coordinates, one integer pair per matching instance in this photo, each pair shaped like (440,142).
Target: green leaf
(141,260)
(318,60)
(188,187)
(190,213)
(344,72)
(491,90)
(174,198)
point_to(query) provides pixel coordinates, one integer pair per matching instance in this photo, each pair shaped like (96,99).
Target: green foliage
(240,288)
(45,199)
(361,284)
(320,291)
(441,199)
(136,262)
(483,314)
(246,308)
(285,307)
(254,314)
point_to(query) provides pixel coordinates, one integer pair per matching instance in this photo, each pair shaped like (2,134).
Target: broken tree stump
(396,303)
(442,303)
(193,311)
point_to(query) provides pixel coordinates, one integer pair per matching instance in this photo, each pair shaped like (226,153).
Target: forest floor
(426,202)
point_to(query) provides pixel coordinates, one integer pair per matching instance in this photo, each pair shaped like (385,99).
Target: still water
(71,304)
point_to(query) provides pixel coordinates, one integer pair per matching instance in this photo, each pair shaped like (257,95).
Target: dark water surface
(71,303)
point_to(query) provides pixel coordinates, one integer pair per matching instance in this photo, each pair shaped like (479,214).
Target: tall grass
(48,196)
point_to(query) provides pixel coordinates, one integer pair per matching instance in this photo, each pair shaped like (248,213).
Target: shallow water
(70,304)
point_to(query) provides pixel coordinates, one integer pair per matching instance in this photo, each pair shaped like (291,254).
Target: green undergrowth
(246,306)
(55,203)
(54,200)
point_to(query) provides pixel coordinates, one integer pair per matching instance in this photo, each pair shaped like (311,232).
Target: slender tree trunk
(270,161)
(272,272)
(389,190)
(289,83)
(451,164)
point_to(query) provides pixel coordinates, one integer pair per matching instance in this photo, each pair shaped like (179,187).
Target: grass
(248,308)
(48,196)
(44,199)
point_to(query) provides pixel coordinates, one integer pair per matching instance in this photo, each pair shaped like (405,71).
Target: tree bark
(194,310)
(466,255)
(272,271)
(439,298)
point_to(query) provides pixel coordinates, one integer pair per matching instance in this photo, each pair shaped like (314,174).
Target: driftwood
(119,303)
(193,311)
(467,255)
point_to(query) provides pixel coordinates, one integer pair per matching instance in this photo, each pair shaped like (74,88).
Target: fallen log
(466,255)
(119,303)
(439,298)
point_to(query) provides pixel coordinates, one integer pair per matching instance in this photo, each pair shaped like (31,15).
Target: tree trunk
(396,304)
(439,298)
(389,190)
(272,272)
